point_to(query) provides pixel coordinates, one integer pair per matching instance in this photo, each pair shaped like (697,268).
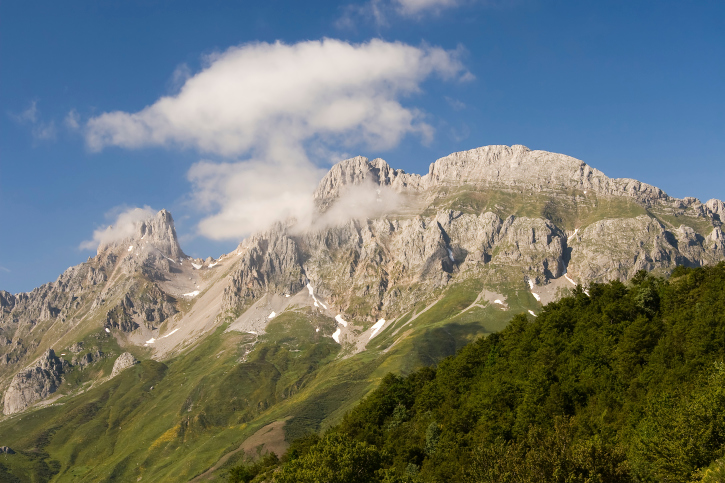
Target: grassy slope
(171,421)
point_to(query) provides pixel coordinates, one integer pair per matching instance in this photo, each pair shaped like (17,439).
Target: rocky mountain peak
(156,233)
(518,166)
(357,171)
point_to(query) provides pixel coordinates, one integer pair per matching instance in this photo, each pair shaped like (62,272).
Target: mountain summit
(155,234)
(295,325)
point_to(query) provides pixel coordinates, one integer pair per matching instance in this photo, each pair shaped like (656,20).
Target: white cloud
(5,269)
(123,227)
(249,196)
(280,104)
(248,95)
(360,202)
(72,120)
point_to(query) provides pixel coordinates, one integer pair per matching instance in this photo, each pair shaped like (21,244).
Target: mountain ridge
(425,255)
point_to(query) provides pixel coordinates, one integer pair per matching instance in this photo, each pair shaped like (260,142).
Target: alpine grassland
(174,420)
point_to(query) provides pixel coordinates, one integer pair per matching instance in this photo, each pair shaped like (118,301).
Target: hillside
(284,335)
(622,385)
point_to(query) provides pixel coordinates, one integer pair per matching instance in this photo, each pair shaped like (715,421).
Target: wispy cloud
(455,104)
(122,227)
(280,104)
(42,131)
(28,115)
(381,11)
(3,269)
(72,120)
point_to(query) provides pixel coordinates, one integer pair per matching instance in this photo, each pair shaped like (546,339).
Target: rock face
(149,307)
(34,383)
(573,220)
(123,286)
(124,361)
(503,215)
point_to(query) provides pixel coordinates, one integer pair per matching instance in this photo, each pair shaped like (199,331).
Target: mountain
(283,335)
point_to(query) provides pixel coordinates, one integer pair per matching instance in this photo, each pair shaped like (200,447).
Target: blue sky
(634,89)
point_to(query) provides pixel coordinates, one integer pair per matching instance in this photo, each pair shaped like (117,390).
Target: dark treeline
(624,384)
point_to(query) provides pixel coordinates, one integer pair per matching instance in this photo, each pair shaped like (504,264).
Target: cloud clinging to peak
(252,95)
(123,227)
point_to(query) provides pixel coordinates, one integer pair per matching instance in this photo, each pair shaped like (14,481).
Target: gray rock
(34,383)
(124,361)
(76,347)
(6,450)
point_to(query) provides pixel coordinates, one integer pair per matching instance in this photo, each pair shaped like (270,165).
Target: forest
(625,384)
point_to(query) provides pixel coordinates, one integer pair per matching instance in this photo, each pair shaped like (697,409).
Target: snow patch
(108,330)
(211,265)
(196,267)
(286,295)
(536,296)
(336,335)
(170,333)
(170,259)
(572,281)
(312,294)
(272,315)
(339,318)
(151,340)
(376,327)
(450,255)
(498,301)
(130,248)
(192,294)
(317,329)
(531,284)
(532,313)
(573,234)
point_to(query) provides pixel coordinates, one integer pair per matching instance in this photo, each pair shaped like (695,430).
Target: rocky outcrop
(6,450)
(81,362)
(34,383)
(378,267)
(269,262)
(147,305)
(124,361)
